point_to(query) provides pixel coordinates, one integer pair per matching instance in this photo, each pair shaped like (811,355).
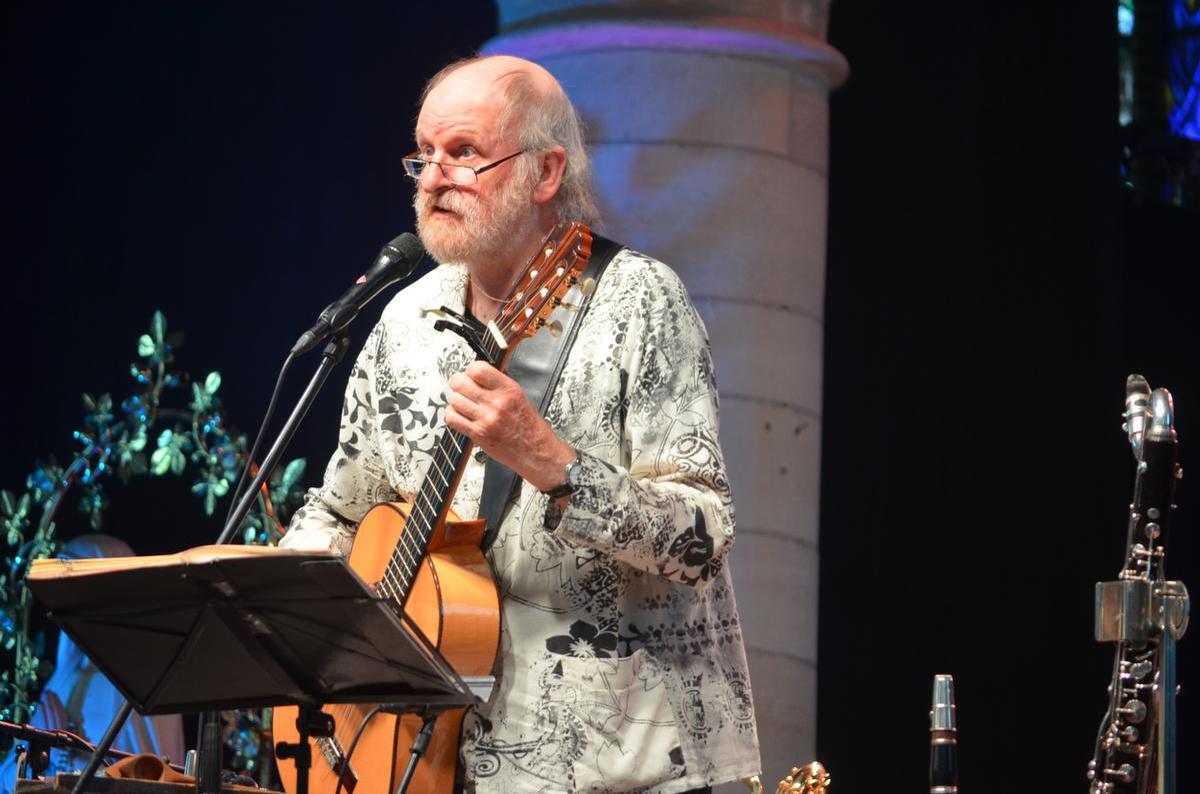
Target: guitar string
(408,546)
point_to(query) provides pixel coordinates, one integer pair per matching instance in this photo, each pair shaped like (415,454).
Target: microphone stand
(333,354)
(209,763)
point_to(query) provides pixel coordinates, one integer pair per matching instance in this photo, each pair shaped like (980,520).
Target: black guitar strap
(536,364)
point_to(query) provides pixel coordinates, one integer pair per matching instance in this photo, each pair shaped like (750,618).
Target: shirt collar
(450,289)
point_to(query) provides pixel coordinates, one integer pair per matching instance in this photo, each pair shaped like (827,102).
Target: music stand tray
(224,627)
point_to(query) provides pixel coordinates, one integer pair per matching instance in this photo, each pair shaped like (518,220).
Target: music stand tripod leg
(208,766)
(102,749)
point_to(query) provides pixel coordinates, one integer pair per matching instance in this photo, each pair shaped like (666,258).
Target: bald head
(533,114)
(492,72)
(494,76)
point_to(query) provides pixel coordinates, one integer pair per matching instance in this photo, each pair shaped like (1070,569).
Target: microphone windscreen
(409,247)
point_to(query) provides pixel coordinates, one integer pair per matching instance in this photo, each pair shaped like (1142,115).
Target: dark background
(989,288)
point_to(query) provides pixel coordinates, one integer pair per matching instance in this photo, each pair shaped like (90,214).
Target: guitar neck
(431,503)
(535,293)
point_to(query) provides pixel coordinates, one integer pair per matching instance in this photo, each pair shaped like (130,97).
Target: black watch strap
(559,491)
(568,486)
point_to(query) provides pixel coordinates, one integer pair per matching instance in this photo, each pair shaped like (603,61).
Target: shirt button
(480,456)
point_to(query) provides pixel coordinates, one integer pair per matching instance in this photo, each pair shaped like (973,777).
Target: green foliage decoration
(148,433)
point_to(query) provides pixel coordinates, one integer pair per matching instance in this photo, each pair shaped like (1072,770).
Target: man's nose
(433,179)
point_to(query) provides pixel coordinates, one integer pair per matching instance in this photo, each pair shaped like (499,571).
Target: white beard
(480,233)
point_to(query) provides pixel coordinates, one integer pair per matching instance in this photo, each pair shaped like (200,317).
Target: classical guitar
(429,564)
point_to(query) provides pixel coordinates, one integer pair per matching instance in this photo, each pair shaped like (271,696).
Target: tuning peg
(554,327)
(565,306)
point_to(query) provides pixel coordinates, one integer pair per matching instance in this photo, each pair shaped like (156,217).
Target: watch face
(573,471)
(567,488)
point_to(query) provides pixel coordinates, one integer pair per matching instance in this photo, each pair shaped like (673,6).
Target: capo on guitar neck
(465,319)
(470,329)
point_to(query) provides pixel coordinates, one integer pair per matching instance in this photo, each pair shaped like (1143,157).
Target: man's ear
(553,164)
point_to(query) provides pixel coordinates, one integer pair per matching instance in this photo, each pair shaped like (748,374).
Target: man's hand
(490,408)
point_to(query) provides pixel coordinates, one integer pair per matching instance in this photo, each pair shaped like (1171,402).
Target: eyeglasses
(458,174)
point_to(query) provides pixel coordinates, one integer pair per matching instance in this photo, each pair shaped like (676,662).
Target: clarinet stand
(1143,613)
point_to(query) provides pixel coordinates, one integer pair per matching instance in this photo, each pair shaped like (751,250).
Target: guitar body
(454,602)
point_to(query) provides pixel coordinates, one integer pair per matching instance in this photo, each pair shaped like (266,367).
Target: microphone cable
(362,726)
(262,429)
(203,716)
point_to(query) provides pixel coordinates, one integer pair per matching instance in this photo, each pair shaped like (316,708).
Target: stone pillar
(708,122)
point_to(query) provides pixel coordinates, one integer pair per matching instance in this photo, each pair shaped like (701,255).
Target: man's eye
(466,151)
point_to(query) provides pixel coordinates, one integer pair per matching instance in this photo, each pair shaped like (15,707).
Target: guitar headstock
(540,288)
(538,291)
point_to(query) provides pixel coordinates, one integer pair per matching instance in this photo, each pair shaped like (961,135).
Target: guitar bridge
(335,757)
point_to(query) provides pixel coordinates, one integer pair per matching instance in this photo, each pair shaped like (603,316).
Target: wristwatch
(572,475)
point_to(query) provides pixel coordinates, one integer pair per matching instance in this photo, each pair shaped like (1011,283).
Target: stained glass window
(1158,87)
(1183,69)
(1125,26)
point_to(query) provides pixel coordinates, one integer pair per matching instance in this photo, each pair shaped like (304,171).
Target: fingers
(465,386)
(487,376)
(456,421)
(491,409)
(465,406)
(484,385)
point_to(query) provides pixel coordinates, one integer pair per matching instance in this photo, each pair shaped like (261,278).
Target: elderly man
(621,662)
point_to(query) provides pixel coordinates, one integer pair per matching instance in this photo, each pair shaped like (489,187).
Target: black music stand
(220,628)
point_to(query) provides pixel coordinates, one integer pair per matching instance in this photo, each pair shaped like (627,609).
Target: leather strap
(536,364)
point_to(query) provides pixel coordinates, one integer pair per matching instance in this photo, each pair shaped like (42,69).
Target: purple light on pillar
(774,42)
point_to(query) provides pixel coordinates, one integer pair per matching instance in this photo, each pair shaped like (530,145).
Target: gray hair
(537,121)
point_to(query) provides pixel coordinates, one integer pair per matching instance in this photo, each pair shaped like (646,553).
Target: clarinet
(943,738)
(1143,613)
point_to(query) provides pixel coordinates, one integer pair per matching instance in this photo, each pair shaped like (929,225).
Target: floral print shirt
(621,664)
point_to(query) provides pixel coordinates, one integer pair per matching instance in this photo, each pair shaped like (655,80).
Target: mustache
(450,200)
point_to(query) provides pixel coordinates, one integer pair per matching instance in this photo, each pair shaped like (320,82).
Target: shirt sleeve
(355,478)
(670,512)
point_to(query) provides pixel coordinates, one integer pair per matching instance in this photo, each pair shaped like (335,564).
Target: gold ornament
(808,779)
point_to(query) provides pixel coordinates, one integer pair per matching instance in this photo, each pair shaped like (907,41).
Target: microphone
(943,738)
(1137,404)
(396,260)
